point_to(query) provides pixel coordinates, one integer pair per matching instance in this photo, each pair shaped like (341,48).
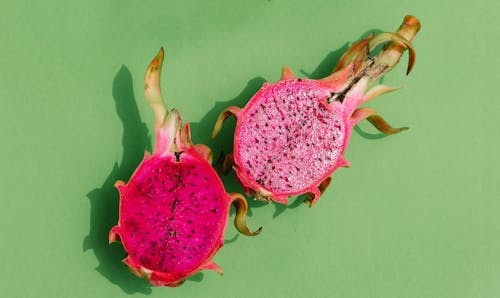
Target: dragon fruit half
(292,134)
(174,209)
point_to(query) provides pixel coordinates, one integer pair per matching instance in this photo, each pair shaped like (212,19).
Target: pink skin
(174,209)
(292,134)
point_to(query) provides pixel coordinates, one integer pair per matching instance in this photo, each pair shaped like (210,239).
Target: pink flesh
(288,137)
(173,214)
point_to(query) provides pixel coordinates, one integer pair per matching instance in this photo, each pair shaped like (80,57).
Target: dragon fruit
(174,209)
(292,134)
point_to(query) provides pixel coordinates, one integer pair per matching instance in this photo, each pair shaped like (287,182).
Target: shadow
(198,277)
(200,132)
(326,66)
(228,241)
(104,201)
(366,135)
(296,202)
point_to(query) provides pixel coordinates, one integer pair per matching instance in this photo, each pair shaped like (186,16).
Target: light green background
(416,215)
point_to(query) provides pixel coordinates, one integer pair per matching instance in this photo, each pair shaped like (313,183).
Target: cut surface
(173,214)
(289,137)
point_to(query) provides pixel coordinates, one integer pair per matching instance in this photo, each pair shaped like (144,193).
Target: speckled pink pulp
(173,214)
(289,137)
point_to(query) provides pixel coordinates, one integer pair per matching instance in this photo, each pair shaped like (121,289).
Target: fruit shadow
(104,200)
(367,135)
(223,143)
(327,65)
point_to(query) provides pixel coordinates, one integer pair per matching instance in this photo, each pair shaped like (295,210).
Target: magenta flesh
(166,229)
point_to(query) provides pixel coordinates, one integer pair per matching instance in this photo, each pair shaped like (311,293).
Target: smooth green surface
(416,215)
